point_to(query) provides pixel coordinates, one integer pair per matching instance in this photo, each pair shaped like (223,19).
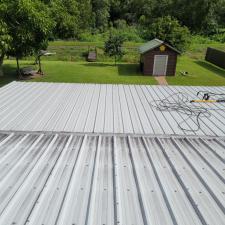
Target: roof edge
(143,49)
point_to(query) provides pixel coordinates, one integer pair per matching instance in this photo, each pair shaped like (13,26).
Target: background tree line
(26,26)
(74,16)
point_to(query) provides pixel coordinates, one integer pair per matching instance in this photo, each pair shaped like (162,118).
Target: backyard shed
(158,58)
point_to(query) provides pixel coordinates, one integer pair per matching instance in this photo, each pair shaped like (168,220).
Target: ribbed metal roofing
(70,179)
(154,44)
(95,108)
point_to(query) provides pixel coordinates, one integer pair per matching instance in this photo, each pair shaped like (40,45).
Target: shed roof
(69,179)
(154,44)
(95,108)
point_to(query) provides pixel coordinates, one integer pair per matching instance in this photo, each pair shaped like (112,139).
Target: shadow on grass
(129,70)
(211,67)
(94,64)
(123,68)
(9,74)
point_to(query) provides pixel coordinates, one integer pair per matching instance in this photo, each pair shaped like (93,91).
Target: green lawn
(200,73)
(69,65)
(83,72)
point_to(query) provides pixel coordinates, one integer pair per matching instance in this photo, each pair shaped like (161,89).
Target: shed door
(160,65)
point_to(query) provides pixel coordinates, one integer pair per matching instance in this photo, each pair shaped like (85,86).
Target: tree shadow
(94,64)
(9,74)
(129,70)
(211,67)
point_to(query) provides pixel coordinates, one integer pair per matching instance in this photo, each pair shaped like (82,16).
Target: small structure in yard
(158,58)
(215,57)
(92,55)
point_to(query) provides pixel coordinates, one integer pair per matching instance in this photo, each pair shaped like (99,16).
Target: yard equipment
(184,73)
(206,97)
(208,101)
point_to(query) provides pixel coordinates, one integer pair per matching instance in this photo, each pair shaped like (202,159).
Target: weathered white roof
(154,44)
(95,108)
(67,179)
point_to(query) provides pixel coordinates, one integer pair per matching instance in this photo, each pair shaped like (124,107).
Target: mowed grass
(83,72)
(69,65)
(91,44)
(9,74)
(201,73)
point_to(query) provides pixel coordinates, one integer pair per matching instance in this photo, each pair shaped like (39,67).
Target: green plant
(29,25)
(113,46)
(170,30)
(5,41)
(220,37)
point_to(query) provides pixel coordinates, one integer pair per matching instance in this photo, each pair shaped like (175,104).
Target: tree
(196,15)
(169,29)
(29,24)
(85,14)
(66,16)
(5,40)
(113,46)
(100,9)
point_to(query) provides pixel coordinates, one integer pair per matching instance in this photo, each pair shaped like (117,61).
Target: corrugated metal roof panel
(90,179)
(95,108)
(154,44)
(150,45)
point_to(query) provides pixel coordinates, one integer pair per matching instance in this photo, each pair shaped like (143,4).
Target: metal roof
(95,108)
(67,179)
(154,44)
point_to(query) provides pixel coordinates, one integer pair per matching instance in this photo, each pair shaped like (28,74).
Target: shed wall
(148,61)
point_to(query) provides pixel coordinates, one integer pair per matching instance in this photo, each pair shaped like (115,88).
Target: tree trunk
(18,68)
(39,65)
(1,65)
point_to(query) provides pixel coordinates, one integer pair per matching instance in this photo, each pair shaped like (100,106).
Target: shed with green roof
(158,58)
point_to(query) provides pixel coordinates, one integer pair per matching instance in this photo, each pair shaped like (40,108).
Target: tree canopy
(168,29)
(75,16)
(28,25)
(113,46)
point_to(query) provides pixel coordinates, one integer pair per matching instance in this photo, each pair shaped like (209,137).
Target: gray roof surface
(98,179)
(95,108)
(154,44)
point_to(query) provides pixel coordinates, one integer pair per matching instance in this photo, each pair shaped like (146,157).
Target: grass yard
(69,65)
(200,73)
(83,72)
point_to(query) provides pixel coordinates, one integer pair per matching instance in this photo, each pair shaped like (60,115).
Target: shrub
(198,39)
(219,37)
(129,33)
(89,37)
(170,30)
(113,46)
